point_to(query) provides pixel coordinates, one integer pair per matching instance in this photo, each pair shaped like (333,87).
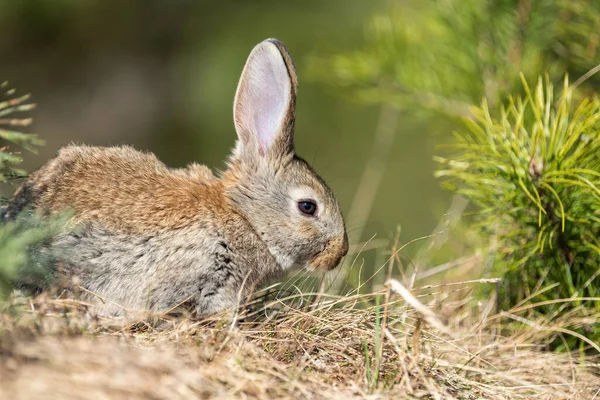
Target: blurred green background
(161,75)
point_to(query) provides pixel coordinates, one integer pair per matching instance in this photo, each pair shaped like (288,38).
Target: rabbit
(147,237)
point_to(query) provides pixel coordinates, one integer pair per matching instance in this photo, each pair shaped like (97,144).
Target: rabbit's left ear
(264,105)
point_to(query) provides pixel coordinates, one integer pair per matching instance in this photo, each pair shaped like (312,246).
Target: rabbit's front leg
(220,281)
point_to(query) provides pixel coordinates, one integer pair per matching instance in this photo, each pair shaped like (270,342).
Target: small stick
(429,316)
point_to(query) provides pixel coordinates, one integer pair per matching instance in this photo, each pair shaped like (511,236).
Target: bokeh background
(161,75)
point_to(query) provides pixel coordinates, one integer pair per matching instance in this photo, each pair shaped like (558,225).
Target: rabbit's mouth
(331,256)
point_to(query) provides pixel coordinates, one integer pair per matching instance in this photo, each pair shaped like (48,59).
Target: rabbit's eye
(307,207)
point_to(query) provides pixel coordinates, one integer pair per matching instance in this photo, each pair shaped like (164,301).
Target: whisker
(287,283)
(299,276)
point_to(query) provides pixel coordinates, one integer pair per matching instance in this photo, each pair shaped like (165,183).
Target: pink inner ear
(271,104)
(265,97)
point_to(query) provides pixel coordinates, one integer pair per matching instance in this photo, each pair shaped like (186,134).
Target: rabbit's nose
(333,253)
(345,244)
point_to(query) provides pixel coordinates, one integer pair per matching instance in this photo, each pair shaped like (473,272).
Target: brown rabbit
(148,237)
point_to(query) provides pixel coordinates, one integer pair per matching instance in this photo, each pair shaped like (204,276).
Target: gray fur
(167,269)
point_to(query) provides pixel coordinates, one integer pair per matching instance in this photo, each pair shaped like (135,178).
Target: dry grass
(357,346)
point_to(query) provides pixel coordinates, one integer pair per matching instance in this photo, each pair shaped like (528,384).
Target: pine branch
(12,111)
(534,173)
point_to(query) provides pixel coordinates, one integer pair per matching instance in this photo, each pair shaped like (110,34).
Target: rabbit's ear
(264,105)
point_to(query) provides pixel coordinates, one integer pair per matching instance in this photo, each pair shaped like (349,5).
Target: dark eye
(307,207)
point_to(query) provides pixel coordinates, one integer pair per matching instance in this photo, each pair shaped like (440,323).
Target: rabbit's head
(287,203)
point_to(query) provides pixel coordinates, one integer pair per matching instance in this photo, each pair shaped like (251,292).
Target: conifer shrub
(534,175)
(20,236)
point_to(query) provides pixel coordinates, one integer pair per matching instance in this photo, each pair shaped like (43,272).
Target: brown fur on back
(126,189)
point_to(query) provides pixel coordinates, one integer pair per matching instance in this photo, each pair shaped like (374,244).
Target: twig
(586,76)
(428,315)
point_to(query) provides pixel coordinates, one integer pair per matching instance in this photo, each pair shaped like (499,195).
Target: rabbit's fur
(145,236)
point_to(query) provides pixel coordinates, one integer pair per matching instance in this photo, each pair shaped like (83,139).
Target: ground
(334,348)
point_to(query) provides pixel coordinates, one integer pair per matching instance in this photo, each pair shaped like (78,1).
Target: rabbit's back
(121,188)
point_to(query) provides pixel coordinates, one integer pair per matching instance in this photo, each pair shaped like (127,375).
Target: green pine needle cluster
(23,260)
(11,109)
(18,237)
(534,173)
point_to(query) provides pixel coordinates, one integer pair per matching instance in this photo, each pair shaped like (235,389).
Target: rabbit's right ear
(264,105)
